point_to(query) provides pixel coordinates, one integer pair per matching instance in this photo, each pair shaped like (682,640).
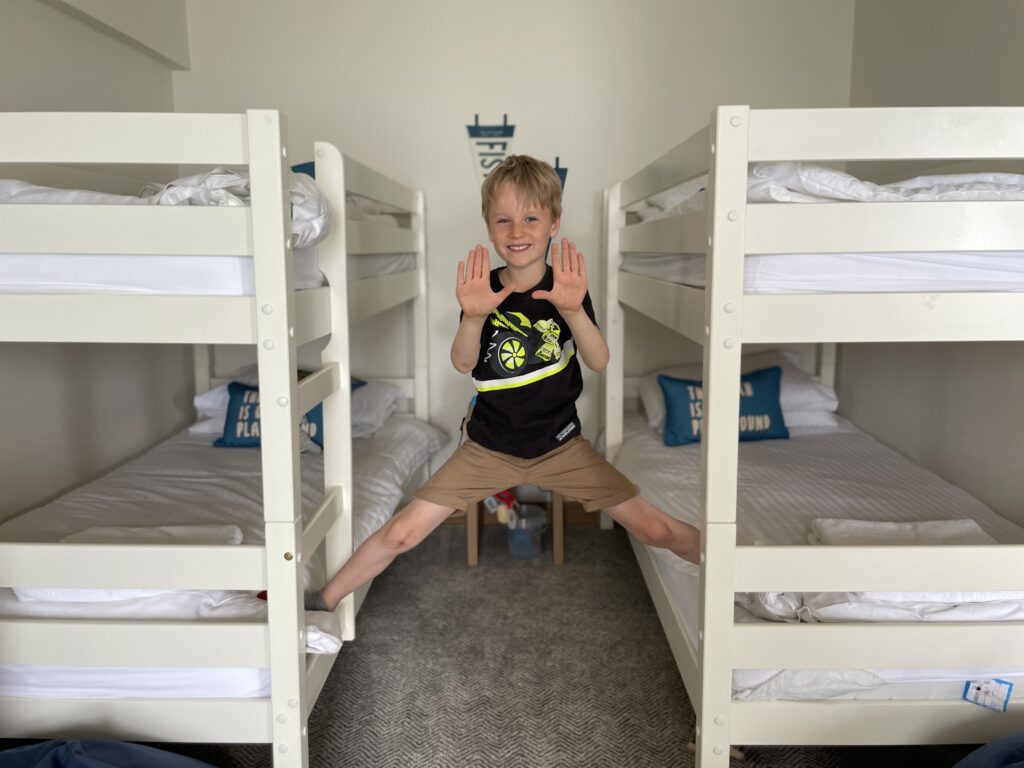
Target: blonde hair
(534,180)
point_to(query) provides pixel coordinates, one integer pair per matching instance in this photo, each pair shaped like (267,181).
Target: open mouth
(518,247)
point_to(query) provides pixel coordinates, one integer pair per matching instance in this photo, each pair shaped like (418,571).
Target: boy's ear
(554,226)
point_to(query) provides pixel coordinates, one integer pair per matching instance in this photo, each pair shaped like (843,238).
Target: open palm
(473,285)
(570,285)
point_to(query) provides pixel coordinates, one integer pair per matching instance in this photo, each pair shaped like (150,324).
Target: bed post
(614,331)
(421,335)
(719,445)
(826,367)
(202,367)
(282,507)
(332,254)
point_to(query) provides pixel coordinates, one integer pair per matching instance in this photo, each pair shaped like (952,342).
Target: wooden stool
(474,529)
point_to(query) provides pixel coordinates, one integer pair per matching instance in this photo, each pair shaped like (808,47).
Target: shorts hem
(596,505)
(445,501)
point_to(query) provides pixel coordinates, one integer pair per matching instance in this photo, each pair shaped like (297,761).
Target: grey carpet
(518,664)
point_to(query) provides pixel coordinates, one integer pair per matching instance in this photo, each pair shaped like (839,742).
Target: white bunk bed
(278,320)
(724,318)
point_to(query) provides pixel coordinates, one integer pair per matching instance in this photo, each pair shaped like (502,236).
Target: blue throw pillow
(760,412)
(242,424)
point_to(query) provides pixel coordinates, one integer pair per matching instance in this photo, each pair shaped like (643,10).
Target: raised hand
(570,278)
(473,285)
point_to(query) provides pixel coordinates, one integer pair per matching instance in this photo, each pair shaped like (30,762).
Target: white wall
(69,412)
(605,85)
(955,408)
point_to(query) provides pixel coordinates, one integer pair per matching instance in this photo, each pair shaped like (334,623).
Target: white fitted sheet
(783,485)
(186,481)
(848,272)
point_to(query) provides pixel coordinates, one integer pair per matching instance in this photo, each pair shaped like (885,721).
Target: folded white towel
(870,532)
(164,534)
(323,632)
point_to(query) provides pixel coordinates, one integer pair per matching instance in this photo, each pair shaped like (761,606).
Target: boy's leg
(649,525)
(401,533)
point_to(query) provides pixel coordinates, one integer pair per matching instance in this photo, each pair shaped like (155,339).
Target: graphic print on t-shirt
(522,352)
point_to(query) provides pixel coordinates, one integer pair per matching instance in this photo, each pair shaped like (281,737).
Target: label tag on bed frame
(994,694)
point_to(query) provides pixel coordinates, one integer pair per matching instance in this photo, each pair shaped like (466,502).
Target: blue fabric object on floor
(94,753)
(1007,752)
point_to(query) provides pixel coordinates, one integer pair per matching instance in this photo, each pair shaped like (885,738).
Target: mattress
(782,486)
(848,272)
(804,183)
(186,481)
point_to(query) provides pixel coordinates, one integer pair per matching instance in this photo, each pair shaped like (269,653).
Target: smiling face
(519,229)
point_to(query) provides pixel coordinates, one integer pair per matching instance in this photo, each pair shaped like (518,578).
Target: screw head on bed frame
(288,556)
(735,121)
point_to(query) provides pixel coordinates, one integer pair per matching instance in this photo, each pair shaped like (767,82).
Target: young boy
(522,328)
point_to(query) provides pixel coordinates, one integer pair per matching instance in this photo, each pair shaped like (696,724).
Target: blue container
(526,531)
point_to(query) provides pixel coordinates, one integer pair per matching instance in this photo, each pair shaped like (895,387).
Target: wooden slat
(326,515)
(312,314)
(870,722)
(369,297)
(189,720)
(163,230)
(679,307)
(123,137)
(884,227)
(370,237)
(115,643)
(317,387)
(864,317)
(916,133)
(685,233)
(364,181)
(887,569)
(129,319)
(918,645)
(318,667)
(178,566)
(682,163)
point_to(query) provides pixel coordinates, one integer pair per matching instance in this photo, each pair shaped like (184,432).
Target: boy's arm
(568,294)
(477,299)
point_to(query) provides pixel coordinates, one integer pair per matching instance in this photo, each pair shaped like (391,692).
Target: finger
(565,254)
(460,276)
(580,266)
(556,263)
(540,294)
(482,261)
(504,292)
(571,258)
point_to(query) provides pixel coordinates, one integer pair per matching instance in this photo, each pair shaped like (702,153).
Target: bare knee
(401,534)
(653,532)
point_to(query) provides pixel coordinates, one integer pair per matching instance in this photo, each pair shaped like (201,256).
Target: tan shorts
(574,469)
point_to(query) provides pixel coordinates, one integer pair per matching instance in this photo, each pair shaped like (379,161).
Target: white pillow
(372,403)
(798,391)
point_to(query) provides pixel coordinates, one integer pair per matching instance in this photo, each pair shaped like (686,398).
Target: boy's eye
(531,218)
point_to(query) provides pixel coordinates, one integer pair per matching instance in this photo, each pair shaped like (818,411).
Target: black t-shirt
(527,376)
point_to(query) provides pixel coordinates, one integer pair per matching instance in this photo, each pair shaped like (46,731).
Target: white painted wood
(825,367)
(727,195)
(313,312)
(678,307)
(886,645)
(188,720)
(370,297)
(332,171)
(371,237)
(318,667)
(850,317)
(884,227)
(111,566)
(871,722)
(686,161)
(327,514)
(614,325)
(81,643)
(202,367)
(279,418)
(683,233)
(881,569)
(129,319)
(421,319)
(166,230)
(123,137)
(919,133)
(317,387)
(362,180)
